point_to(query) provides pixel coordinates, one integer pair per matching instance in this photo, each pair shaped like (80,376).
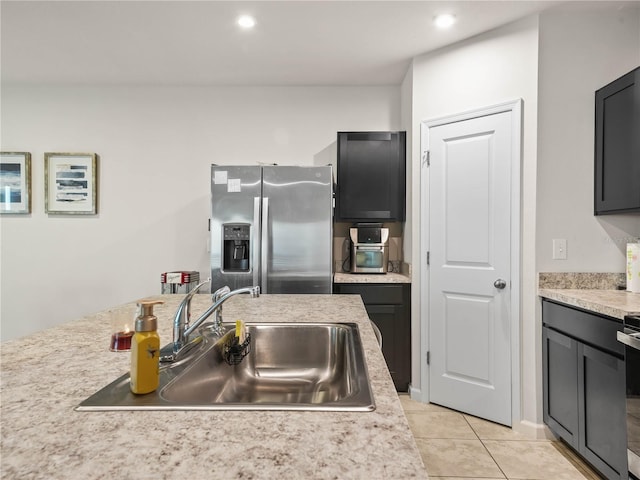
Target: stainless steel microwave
(369,252)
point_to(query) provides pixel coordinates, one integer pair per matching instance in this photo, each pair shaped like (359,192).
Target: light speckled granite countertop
(371,278)
(45,375)
(613,303)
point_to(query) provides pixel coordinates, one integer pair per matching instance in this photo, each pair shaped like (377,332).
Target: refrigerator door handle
(265,244)
(255,242)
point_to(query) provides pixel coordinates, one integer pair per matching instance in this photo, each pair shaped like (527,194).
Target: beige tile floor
(458,446)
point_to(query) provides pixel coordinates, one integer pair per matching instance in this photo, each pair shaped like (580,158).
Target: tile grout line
(485,447)
(585,470)
(418,412)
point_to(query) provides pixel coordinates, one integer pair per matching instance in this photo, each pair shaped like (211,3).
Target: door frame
(515,107)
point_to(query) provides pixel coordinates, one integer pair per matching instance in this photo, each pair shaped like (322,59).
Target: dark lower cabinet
(584,386)
(560,361)
(389,307)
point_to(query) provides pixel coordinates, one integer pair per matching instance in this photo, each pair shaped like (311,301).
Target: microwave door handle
(255,242)
(632,340)
(265,244)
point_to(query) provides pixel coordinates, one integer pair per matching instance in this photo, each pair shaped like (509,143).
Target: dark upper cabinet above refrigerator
(617,145)
(371,177)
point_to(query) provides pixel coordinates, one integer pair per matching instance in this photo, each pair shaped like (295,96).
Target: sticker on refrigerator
(233,185)
(220,177)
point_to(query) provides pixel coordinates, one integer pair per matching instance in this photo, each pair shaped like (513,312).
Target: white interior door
(469,273)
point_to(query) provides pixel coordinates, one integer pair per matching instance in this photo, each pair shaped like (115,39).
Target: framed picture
(15,182)
(71,183)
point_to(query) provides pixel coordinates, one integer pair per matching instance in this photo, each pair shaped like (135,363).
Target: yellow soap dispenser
(145,350)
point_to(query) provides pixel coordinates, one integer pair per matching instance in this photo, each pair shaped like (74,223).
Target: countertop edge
(612,303)
(365,278)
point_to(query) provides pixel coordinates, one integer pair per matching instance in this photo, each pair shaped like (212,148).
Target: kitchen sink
(290,366)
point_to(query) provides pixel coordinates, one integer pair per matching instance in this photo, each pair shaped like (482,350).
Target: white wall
(155,146)
(497,66)
(409,121)
(555,67)
(580,51)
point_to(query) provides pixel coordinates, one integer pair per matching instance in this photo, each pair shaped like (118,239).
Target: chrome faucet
(181,320)
(182,328)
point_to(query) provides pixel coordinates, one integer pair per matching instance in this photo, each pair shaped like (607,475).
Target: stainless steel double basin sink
(291,366)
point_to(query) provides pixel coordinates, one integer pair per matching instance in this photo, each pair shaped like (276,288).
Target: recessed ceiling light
(445,20)
(246,21)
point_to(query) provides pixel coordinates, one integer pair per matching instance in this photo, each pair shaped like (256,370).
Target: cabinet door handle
(265,247)
(255,247)
(500,284)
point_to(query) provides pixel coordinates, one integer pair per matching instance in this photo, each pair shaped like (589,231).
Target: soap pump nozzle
(147,321)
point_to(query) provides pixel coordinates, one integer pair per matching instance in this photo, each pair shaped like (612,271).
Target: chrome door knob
(499,284)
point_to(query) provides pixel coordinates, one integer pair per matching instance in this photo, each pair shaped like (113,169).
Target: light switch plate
(559,249)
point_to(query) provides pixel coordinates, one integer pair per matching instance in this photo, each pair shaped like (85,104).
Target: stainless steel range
(630,336)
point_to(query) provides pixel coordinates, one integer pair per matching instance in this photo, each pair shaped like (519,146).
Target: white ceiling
(198,43)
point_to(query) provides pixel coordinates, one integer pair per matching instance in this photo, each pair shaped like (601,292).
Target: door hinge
(428,358)
(428,258)
(426,158)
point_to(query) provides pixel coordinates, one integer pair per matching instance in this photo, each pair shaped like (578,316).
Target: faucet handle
(195,289)
(217,314)
(220,292)
(187,300)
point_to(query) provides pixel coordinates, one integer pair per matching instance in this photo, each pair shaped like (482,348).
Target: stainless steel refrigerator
(272,226)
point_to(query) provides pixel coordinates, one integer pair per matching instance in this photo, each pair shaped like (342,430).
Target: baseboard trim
(415,394)
(538,431)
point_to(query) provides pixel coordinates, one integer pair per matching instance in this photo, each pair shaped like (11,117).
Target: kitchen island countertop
(46,375)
